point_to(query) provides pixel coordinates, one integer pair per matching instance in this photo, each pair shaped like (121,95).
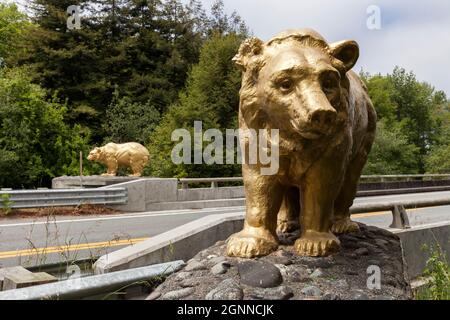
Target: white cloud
(414,34)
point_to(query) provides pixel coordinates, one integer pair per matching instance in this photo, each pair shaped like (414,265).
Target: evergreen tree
(212,97)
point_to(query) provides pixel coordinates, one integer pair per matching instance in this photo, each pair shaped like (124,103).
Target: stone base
(282,275)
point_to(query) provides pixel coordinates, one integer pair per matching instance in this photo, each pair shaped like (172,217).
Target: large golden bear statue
(302,86)
(113,155)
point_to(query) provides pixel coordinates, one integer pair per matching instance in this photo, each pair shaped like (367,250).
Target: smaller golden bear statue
(113,155)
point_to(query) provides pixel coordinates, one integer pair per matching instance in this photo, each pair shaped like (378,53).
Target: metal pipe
(93,285)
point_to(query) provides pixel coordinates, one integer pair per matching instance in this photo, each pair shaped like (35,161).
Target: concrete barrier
(186,241)
(181,243)
(85,288)
(144,192)
(414,240)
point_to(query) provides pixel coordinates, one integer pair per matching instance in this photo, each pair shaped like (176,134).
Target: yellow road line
(370,214)
(67,248)
(380,213)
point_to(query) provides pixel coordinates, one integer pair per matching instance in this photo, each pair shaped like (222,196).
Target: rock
(384,298)
(259,274)
(191,282)
(374,262)
(183,275)
(341,284)
(228,289)
(154,295)
(177,294)
(215,260)
(212,256)
(195,265)
(330,296)
(296,276)
(317,262)
(283,270)
(358,295)
(283,253)
(311,291)
(362,252)
(318,273)
(282,260)
(351,272)
(279,293)
(220,268)
(367,245)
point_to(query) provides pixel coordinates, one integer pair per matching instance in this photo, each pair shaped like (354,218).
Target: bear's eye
(329,81)
(286,84)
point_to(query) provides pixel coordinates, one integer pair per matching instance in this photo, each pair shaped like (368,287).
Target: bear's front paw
(345,225)
(245,245)
(317,244)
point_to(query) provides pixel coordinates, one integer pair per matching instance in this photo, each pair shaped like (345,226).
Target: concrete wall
(181,243)
(144,192)
(413,241)
(210,193)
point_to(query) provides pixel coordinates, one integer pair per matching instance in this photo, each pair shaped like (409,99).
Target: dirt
(83,210)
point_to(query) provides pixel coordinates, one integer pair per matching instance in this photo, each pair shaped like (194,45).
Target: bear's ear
(248,49)
(346,51)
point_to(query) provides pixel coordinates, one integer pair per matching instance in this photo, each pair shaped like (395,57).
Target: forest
(138,69)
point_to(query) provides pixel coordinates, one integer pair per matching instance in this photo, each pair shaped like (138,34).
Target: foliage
(35,141)
(438,272)
(211,96)
(391,152)
(143,49)
(128,121)
(409,122)
(6,204)
(14,27)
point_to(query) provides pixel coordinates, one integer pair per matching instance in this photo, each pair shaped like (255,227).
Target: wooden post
(81,163)
(81,169)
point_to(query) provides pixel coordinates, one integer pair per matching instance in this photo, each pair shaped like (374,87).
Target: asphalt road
(30,242)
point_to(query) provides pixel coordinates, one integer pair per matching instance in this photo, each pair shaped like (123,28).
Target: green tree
(128,121)
(35,142)
(391,152)
(211,96)
(411,107)
(14,26)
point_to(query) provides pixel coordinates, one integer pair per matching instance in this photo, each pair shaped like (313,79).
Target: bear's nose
(323,118)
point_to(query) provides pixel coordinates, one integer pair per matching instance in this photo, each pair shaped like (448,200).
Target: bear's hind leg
(342,222)
(136,168)
(288,217)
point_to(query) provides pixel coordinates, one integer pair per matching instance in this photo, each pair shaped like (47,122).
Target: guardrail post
(400,218)
(184,185)
(214,184)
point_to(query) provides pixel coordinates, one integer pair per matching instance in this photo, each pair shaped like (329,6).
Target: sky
(414,35)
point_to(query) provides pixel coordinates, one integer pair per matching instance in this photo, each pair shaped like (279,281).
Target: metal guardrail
(93,285)
(21,199)
(406,177)
(400,218)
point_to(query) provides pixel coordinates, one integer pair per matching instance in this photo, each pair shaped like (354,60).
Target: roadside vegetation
(437,274)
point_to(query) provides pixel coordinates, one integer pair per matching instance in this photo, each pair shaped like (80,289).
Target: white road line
(125,216)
